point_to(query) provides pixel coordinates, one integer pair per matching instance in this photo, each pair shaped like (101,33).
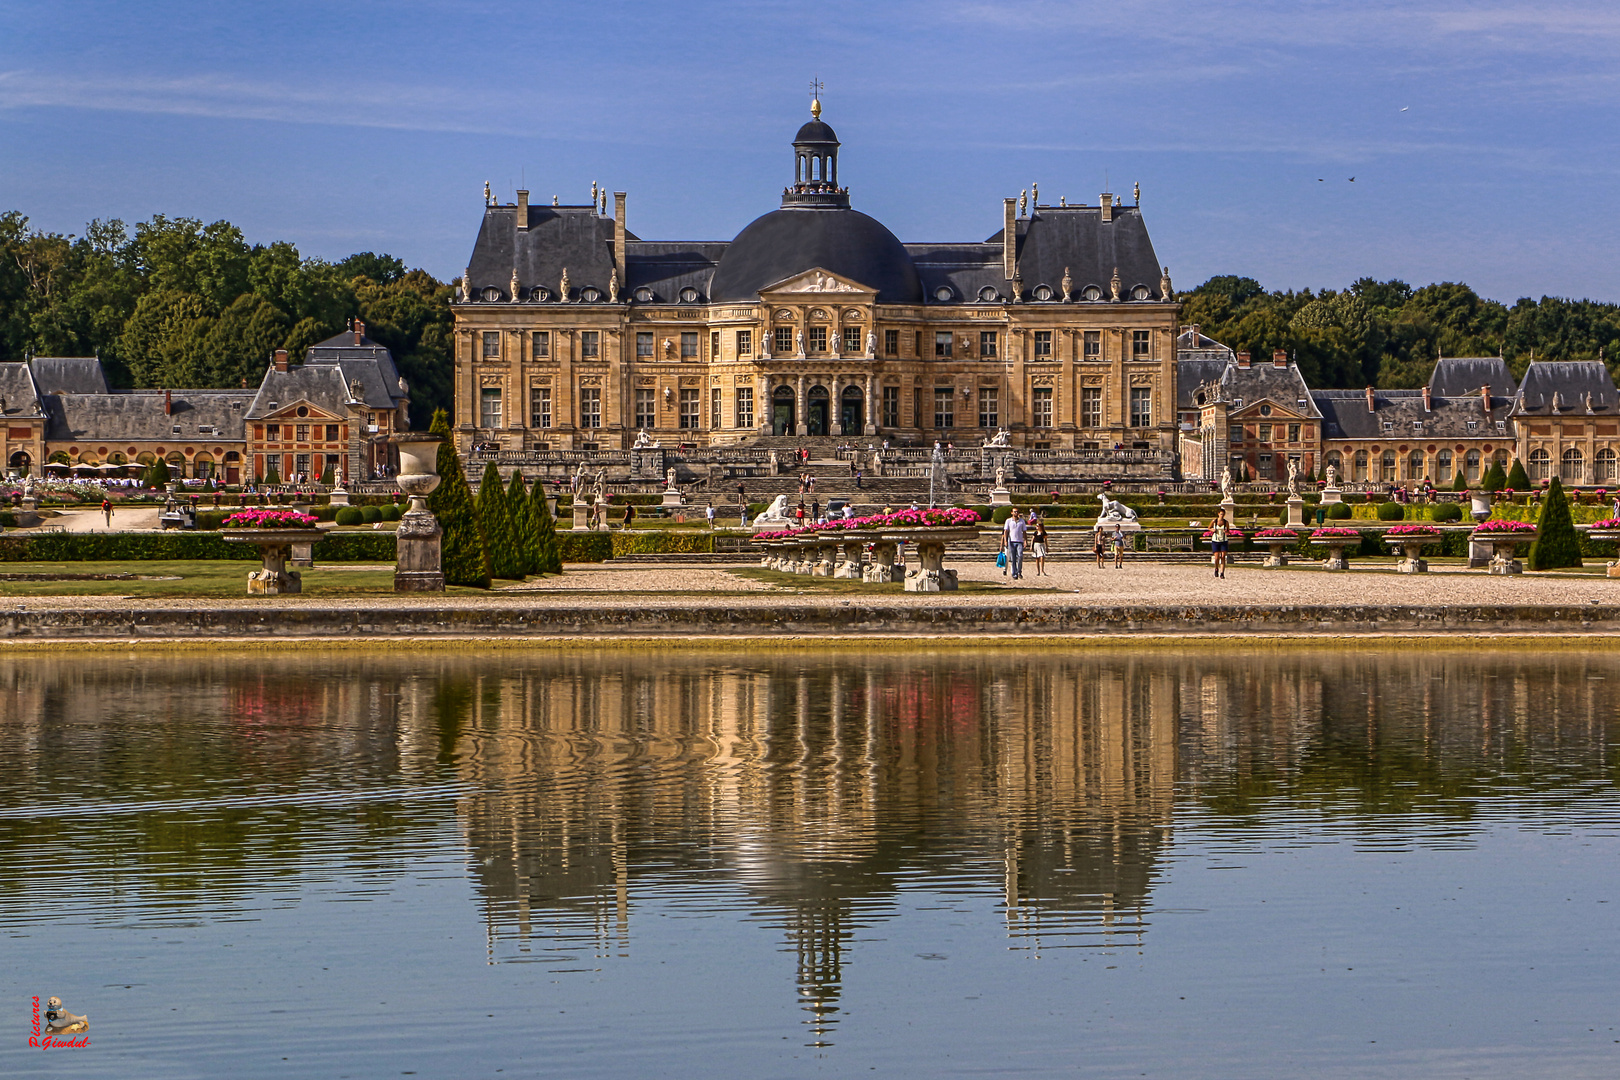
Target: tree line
(1386,333)
(179,304)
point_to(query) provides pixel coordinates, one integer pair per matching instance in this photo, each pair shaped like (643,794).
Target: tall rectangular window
(987,344)
(944,406)
(331,432)
(590,343)
(942,344)
(852,339)
(542,344)
(818,339)
(1043,344)
(301,465)
(689,348)
(1265,429)
(891,343)
(714,344)
(714,409)
(492,344)
(1293,433)
(917,344)
(745,406)
(275,432)
(1141,344)
(540,406)
(272,464)
(644,344)
(745,344)
(1141,406)
(590,406)
(689,409)
(301,433)
(784,339)
(489,407)
(989,412)
(646,408)
(1042,406)
(1093,345)
(1091,406)
(891,403)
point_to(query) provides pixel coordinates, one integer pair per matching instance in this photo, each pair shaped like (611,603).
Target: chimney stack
(1009,238)
(619,230)
(1485,399)
(1107,202)
(523,211)
(1243,361)
(1371,404)
(280,359)
(1279,358)
(359,332)
(168,403)
(1428,402)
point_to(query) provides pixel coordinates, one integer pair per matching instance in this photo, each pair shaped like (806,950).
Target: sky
(1481,136)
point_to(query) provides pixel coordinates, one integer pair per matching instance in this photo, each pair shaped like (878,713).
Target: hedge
(585,546)
(662,543)
(178,545)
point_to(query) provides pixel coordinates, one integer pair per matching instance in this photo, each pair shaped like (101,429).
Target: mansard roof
(1454,376)
(366,362)
(1561,387)
(1345,415)
(322,385)
(68,374)
(139,416)
(20,399)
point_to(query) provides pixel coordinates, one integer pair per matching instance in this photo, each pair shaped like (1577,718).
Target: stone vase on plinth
(419,556)
(1296,512)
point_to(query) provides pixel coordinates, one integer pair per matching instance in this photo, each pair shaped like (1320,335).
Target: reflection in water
(816,793)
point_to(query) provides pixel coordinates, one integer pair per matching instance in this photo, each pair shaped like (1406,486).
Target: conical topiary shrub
(1495,479)
(463,556)
(545,531)
(500,540)
(1557,544)
(1461,482)
(522,514)
(1516,477)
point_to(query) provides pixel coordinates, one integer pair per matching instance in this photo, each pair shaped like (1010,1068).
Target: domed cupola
(815,165)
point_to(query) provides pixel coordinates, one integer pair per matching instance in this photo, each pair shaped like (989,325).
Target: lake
(1330,862)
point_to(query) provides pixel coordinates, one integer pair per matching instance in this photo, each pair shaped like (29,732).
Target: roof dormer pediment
(818,283)
(1278,411)
(311,412)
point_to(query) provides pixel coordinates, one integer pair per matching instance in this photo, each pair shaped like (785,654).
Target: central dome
(788,242)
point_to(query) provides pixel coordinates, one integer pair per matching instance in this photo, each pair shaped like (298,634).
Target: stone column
(762,403)
(871,404)
(801,410)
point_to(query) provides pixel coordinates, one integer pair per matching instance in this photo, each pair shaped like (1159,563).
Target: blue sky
(1482,135)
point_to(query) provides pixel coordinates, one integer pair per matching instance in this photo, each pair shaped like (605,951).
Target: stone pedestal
(929,573)
(848,567)
(1504,548)
(881,570)
(582,515)
(339,497)
(673,498)
(1279,552)
(1331,495)
(419,561)
(30,505)
(1296,512)
(1479,554)
(1001,497)
(1231,512)
(303,556)
(1336,559)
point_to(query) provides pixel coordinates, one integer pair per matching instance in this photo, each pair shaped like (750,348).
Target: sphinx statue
(1115,512)
(774,514)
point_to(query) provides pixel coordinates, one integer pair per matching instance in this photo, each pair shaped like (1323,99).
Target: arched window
(1386,466)
(1414,465)
(1572,467)
(1443,468)
(1361,465)
(1604,467)
(1471,464)
(1540,465)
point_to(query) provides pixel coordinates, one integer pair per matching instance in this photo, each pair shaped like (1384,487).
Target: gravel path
(125,519)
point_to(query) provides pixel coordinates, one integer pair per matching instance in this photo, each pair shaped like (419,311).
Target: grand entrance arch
(21,461)
(852,404)
(782,411)
(818,406)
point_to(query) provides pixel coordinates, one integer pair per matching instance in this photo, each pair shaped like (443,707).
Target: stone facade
(1569,423)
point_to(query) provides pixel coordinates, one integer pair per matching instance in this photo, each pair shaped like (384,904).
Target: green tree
(463,553)
(1460,482)
(1557,545)
(1495,479)
(1517,480)
(545,529)
(523,524)
(500,538)
(157,474)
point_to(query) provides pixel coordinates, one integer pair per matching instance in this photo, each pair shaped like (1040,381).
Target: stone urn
(1504,543)
(929,574)
(1277,541)
(1409,541)
(1479,505)
(275,546)
(418,558)
(1607,530)
(1335,540)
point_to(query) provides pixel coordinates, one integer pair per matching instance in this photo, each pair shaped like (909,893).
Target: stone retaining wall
(797,619)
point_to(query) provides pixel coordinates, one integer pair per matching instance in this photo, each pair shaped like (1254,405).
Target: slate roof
(367,362)
(137,415)
(1283,385)
(1345,415)
(1454,376)
(1191,374)
(1561,387)
(668,267)
(1076,237)
(68,374)
(17,388)
(558,237)
(322,385)
(784,243)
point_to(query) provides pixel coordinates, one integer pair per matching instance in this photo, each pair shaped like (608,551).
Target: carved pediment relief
(784,315)
(818,281)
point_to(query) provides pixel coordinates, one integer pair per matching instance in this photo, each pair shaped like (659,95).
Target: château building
(573,333)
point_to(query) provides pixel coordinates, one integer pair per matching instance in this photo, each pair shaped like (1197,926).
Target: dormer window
(1389,427)
(689,295)
(988,295)
(1091,292)
(1043,292)
(943,294)
(1141,292)
(644,295)
(492,293)
(590,296)
(1473,425)
(1501,427)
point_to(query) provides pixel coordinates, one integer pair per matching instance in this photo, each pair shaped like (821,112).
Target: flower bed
(270,519)
(1276,534)
(1333,534)
(1607,523)
(1231,534)
(956,517)
(1413,531)
(1504,526)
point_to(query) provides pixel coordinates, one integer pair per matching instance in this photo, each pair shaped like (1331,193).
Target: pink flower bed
(905,519)
(1504,527)
(1412,530)
(1607,523)
(270,519)
(1335,533)
(1231,534)
(1276,534)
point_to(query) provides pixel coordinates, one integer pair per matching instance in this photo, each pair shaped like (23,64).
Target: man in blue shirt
(1012,537)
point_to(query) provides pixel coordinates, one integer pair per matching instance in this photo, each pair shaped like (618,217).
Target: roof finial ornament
(1165,292)
(517,289)
(1035,195)
(1113,285)
(593,194)
(1068,284)
(554,200)
(815,98)
(613,287)
(488,199)
(1023,202)
(1136,190)
(563,288)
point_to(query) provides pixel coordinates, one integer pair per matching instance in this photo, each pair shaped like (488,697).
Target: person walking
(1013,534)
(106,512)
(630,516)
(708,512)
(1097,546)
(1037,549)
(1219,532)
(1119,547)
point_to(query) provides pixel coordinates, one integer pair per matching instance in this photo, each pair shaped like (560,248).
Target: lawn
(199,578)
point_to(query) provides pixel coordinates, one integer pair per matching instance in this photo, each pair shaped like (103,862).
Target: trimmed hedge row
(116,547)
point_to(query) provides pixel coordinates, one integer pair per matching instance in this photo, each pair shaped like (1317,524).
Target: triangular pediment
(818,282)
(313,412)
(1279,411)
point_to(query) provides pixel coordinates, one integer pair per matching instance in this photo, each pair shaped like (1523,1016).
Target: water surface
(755,864)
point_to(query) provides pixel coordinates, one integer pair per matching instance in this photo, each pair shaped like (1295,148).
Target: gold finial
(1136,189)
(815,98)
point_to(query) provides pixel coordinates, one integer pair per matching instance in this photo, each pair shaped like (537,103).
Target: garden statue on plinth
(1116,515)
(643,442)
(774,514)
(419,558)
(30,502)
(1296,505)
(339,495)
(672,494)
(1000,496)
(1330,494)
(1228,503)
